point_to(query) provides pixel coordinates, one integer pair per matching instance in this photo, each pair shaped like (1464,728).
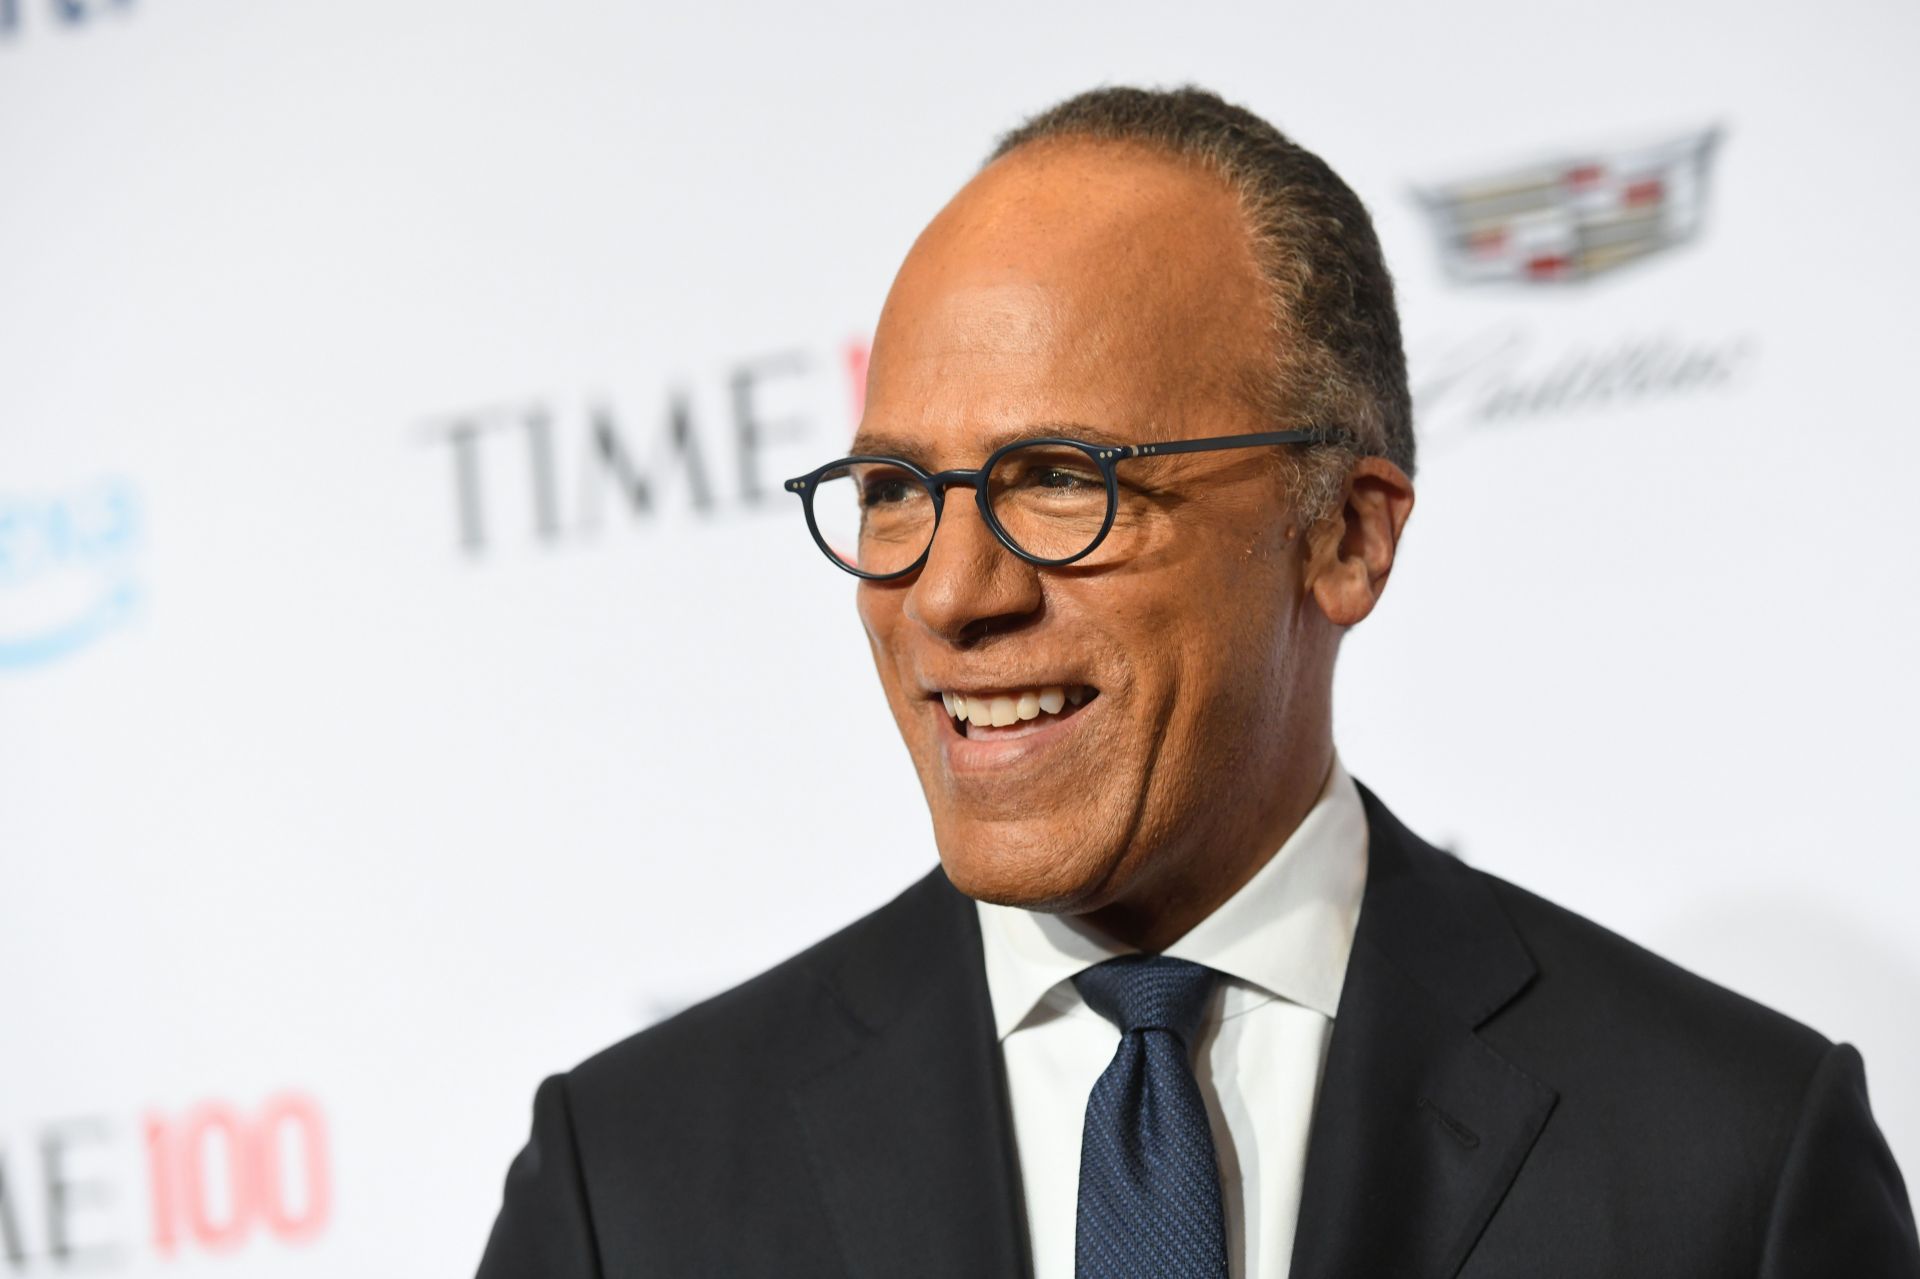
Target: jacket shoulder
(1636,1039)
(777,1020)
(699,1109)
(1690,1121)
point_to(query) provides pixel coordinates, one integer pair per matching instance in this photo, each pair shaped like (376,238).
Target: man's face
(1110,294)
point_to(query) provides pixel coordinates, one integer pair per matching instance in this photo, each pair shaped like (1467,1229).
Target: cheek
(1219,638)
(879,612)
(1223,593)
(888,637)
(879,618)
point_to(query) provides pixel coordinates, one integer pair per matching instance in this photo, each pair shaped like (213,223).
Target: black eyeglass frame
(1105,456)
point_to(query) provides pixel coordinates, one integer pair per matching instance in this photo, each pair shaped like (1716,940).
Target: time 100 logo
(217,1177)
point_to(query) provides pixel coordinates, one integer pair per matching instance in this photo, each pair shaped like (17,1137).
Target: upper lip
(995,688)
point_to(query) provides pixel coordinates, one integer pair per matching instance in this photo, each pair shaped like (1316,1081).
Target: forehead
(1096,283)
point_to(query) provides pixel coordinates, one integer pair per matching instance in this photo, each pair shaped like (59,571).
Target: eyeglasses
(1050,501)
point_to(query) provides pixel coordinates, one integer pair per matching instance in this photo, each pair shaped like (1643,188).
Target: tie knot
(1149,992)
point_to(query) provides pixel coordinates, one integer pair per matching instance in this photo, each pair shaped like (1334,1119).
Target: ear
(1350,552)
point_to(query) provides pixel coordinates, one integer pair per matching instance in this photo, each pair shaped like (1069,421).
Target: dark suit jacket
(1509,1091)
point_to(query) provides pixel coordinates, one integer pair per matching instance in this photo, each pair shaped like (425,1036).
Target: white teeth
(1012,708)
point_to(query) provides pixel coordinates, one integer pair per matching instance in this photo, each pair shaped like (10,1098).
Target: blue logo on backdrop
(66,13)
(68,569)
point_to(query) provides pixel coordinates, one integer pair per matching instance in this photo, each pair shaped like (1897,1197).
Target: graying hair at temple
(1338,360)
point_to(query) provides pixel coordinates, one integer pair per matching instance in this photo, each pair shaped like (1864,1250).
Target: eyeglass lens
(1050,500)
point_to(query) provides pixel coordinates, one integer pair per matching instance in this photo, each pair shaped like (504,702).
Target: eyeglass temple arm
(1120,452)
(1218,442)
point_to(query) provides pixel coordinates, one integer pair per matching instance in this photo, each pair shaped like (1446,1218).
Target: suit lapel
(1420,1126)
(906,1126)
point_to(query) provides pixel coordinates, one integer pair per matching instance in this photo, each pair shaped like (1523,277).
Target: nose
(971,584)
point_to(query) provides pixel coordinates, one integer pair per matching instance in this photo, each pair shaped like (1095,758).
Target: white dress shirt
(1281,946)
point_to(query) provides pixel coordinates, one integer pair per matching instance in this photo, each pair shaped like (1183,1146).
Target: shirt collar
(1287,932)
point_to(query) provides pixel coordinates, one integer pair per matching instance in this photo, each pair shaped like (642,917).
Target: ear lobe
(1351,552)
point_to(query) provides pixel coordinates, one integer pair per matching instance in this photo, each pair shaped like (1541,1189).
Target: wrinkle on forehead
(1012,317)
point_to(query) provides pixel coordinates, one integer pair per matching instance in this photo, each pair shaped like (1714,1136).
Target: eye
(1051,471)
(1063,477)
(887,488)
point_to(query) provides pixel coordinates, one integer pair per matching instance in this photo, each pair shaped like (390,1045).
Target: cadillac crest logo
(1573,217)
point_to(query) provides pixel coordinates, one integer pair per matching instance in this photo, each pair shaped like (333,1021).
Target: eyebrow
(913,448)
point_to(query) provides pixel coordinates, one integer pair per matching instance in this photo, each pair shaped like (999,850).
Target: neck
(1157,910)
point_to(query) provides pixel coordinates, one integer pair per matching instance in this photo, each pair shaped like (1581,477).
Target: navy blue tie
(1149,1186)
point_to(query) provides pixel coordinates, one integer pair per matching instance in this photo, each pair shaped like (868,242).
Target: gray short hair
(1338,358)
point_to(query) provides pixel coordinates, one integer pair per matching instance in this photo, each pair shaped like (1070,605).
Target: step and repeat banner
(413,677)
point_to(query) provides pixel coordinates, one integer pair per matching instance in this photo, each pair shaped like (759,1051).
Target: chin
(1037,870)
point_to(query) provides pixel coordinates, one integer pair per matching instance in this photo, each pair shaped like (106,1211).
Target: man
(1182,998)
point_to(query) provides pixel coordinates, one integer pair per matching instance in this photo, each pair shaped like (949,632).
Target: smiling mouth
(1014,712)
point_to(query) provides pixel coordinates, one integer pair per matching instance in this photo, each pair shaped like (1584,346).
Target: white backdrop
(372,742)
